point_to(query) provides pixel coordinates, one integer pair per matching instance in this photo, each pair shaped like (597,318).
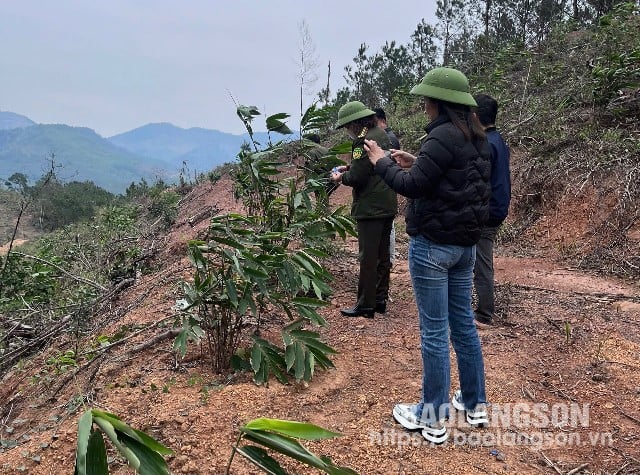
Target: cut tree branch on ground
(599,295)
(41,339)
(105,348)
(629,416)
(93,284)
(577,469)
(551,464)
(100,352)
(172,333)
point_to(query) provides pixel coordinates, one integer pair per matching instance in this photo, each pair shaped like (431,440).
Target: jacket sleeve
(361,168)
(500,183)
(423,176)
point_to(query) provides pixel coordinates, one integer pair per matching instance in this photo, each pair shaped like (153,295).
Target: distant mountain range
(152,151)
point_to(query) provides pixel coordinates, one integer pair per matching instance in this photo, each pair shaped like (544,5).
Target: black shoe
(482,321)
(381,307)
(358,312)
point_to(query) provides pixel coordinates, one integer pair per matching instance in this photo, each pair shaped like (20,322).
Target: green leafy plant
(619,65)
(281,436)
(251,267)
(241,272)
(63,361)
(142,452)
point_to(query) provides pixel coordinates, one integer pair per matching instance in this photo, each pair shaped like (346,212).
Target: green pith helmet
(446,84)
(351,111)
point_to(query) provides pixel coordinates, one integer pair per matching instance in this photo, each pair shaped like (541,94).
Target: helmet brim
(448,95)
(355,116)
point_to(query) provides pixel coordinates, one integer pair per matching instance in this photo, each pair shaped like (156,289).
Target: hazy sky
(116,65)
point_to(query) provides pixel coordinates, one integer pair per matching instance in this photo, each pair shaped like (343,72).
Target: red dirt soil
(563,337)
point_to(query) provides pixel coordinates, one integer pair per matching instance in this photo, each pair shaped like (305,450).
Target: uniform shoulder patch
(357,153)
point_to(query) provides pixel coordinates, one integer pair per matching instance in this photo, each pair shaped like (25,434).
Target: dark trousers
(375,261)
(483,274)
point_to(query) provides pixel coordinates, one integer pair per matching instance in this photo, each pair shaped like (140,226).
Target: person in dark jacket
(381,122)
(487,112)
(374,207)
(448,183)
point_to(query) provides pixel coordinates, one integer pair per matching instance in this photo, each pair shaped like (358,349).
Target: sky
(117,65)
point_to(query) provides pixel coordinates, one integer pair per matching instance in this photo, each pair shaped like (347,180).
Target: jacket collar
(441,119)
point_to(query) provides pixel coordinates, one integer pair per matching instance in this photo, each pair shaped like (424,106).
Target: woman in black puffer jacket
(448,183)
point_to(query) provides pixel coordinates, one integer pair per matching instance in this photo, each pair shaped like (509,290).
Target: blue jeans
(442,278)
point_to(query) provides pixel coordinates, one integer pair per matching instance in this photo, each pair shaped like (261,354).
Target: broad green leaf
(333,469)
(247,112)
(180,343)
(289,352)
(256,357)
(151,462)
(228,241)
(278,116)
(299,430)
(260,274)
(231,291)
(317,289)
(142,437)
(312,339)
(284,445)
(275,124)
(84,431)
(309,366)
(342,148)
(108,429)
(303,262)
(309,302)
(316,252)
(97,455)
(300,357)
(313,316)
(295,325)
(321,358)
(261,458)
(277,364)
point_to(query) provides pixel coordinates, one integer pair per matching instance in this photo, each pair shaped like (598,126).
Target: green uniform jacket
(372,198)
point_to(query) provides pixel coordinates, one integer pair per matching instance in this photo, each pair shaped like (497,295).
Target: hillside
(152,151)
(9,210)
(80,154)
(529,359)
(201,149)
(11,120)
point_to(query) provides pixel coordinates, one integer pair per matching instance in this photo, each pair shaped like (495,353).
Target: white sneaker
(405,415)
(436,433)
(476,417)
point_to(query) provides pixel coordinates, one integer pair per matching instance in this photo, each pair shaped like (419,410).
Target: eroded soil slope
(564,339)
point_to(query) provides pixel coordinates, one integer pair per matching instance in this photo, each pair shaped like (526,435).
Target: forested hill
(201,149)
(11,120)
(79,155)
(150,152)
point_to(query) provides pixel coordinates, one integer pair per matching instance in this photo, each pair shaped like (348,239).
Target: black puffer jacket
(448,183)
(372,198)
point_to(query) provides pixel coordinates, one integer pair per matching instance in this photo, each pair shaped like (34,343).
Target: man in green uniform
(374,207)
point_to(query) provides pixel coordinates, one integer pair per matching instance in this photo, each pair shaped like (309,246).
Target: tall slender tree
(307,63)
(449,14)
(423,49)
